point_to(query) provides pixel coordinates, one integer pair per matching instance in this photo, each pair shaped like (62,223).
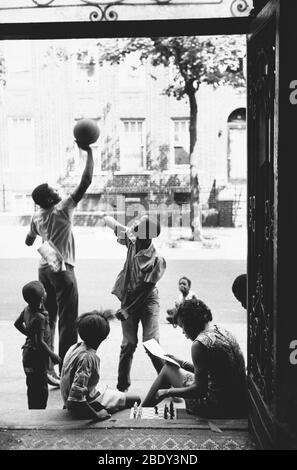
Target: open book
(155,349)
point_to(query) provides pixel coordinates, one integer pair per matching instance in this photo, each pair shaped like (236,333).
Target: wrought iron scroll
(252,213)
(239,7)
(104,12)
(107,10)
(43,3)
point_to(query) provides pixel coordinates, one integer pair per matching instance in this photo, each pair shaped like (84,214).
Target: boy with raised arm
(53,223)
(136,289)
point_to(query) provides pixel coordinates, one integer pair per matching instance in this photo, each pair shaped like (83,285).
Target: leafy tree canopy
(215,60)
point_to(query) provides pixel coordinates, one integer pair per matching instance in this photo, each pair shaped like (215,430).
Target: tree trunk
(195,213)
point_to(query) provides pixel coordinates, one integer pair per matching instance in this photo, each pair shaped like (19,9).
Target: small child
(33,322)
(184,286)
(80,375)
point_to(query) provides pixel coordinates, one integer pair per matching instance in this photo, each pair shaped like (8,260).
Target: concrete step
(57,419)
(56,430)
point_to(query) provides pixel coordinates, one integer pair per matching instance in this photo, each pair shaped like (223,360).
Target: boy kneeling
(80,389)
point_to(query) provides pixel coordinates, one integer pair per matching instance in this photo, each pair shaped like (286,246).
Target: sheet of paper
(155,349)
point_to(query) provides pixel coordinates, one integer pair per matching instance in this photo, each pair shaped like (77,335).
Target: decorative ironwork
(243,4)
(108,10)
(261,361)
(269,221)
(261,220)
(239,7)
(104,11)
(43,3)
(252,213)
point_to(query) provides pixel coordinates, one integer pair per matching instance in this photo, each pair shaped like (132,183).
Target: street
(211,279)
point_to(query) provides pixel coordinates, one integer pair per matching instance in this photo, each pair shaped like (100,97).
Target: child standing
(33,322)
(136,289)
(80,389)
(184,286)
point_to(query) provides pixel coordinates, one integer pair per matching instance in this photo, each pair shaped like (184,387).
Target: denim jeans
(149,318)
(61,302)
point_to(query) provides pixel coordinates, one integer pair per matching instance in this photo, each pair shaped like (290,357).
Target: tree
(194,60)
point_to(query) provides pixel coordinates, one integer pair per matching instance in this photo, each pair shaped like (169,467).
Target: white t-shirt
(55,225)
(191,295)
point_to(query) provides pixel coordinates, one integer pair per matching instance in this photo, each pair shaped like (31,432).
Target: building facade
(142,154)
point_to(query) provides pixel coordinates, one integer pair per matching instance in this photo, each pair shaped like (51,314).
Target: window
(182,198)
(237,146)
(21,143)
(86,73)
(23,203)
(181,142)
(132,145)
(18,62)
(85,62)
(132,74)
(79,155)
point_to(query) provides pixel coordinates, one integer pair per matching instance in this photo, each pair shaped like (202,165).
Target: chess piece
(156,410)
(139,412)
(135,407)
(165,411)
(171,410)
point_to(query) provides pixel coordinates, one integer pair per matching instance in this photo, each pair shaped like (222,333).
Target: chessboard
(158,412)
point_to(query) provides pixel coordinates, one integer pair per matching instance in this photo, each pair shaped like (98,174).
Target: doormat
(120,439)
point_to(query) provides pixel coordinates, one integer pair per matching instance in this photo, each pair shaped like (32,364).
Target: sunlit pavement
(212,270)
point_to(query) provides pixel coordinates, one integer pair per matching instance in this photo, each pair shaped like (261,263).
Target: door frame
(215,26)
(93,29)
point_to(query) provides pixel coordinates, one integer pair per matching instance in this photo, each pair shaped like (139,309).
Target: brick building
(142,132)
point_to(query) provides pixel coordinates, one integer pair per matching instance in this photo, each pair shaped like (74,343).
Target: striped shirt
(80,374)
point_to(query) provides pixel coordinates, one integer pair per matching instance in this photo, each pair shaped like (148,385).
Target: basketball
(86,131)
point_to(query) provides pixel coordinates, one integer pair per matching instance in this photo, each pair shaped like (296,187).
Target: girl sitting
(214,385)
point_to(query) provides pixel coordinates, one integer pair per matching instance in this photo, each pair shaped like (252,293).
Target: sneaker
(53,380)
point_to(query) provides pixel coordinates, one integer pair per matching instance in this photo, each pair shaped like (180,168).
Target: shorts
(112,400)
(202,407)
(210,406)
(191,403)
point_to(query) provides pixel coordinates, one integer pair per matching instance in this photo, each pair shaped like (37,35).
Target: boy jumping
(136,289)
(53,223)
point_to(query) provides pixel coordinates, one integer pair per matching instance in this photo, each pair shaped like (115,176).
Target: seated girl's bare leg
(170,376)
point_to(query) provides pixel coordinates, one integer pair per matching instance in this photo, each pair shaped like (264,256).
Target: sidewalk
(94,244)
(211,267)
(99,243)
(21,429)
(13,387)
